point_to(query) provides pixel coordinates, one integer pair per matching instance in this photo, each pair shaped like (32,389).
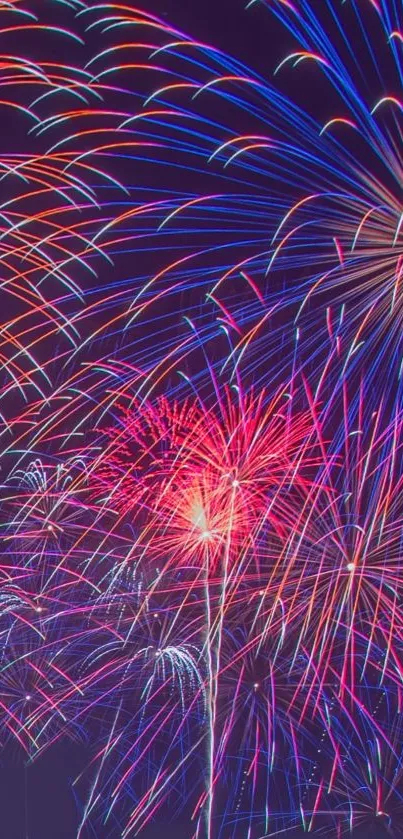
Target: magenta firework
(201,428)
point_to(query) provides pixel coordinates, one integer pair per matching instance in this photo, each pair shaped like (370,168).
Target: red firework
(197,477)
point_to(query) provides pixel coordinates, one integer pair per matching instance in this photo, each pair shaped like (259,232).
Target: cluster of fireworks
(201,422)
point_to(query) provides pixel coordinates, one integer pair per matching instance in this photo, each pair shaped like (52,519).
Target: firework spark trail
(212,483)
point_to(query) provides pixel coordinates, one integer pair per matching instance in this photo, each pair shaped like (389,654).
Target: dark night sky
(227,25)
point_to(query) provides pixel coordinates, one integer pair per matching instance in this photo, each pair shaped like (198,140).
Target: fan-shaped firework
(311,200)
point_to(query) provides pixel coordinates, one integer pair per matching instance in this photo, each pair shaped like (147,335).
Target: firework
(201,427)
